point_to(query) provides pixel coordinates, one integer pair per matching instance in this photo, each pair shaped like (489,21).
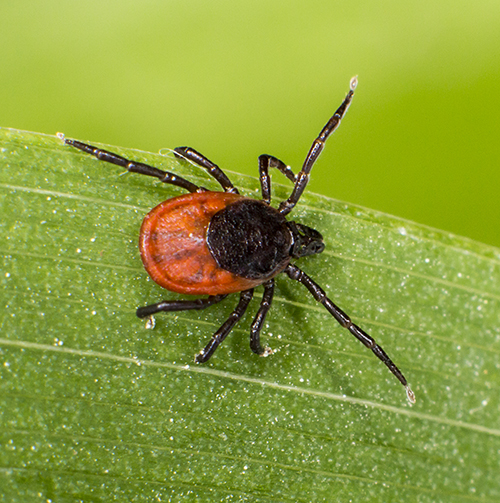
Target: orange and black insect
(218,243)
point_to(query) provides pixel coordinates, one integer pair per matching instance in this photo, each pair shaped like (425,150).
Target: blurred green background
(238,79)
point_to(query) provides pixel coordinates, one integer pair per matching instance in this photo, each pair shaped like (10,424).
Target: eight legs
(135,167)
(300,181)
(316,149)
(295,273)
(259,319)
(221,334)
(266,162)
(192,155)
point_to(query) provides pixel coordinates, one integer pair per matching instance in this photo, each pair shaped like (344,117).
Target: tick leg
(266,162)
(259,319)
(192,155)
(295,273)
(221,334)
(178,305)
(316,148)
(135,167)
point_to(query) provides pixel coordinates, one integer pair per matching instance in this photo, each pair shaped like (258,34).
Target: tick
(218,243)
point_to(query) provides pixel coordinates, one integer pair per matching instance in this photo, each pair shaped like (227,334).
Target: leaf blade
(93,404)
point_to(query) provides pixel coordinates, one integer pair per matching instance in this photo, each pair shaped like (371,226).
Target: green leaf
(95,407)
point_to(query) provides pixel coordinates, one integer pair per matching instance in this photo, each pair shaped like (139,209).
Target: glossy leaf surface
(96,407)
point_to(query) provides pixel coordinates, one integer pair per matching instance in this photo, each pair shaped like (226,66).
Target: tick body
(213,243)
(218,243)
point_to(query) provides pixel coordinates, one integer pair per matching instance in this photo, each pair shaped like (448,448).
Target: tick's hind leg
(192,155)
(178,305)
(221,334)
(259,319)
(135,167)
(295,273)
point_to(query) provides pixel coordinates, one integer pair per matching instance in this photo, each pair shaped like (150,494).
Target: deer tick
(218,243)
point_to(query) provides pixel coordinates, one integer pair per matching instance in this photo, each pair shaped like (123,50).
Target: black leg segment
(266,162)
(259,319)
(135,167)
(295,273)
(221,334)
(178,305)
(192,155)
(315,150)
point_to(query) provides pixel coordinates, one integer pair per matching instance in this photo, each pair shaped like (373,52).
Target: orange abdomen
(174,248)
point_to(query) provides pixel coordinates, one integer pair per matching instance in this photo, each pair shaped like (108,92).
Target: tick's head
(306,241)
